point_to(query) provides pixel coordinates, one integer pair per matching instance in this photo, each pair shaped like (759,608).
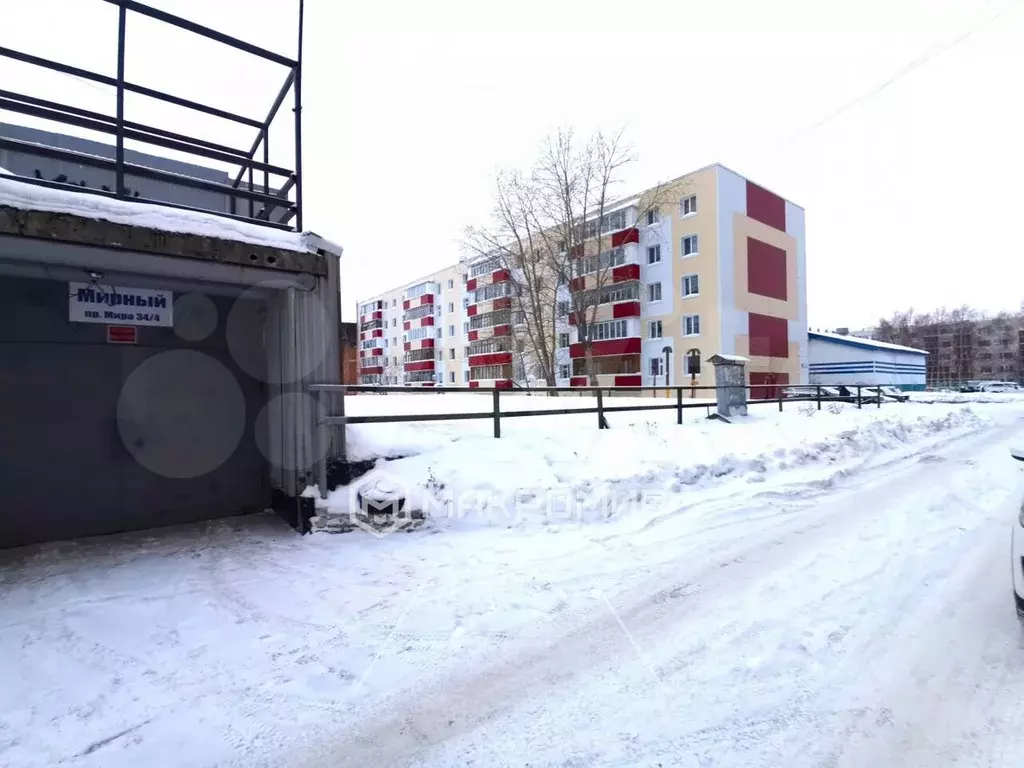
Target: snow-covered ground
(845,604)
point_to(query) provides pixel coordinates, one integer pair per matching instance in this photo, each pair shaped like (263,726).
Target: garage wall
(100,438)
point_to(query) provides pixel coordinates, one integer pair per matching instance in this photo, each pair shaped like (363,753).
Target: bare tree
(576,184)
(515,242)
(554,231)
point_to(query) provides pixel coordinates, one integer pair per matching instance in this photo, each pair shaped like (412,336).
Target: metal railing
(273,202)
(854,394)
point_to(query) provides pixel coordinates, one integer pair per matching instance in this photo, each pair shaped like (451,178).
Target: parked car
(891,394)
(999,386)
(810,392)
(1017,550)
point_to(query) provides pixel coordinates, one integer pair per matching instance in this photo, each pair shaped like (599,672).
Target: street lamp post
(668,355)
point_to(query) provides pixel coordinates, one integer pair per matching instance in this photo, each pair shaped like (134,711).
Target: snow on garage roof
(31,197)
(856,341)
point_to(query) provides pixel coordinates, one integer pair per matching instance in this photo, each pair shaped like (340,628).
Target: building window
(692,365)
(451,375)
(654,292)
(563,340)
(465,376)
(613,329)
(691,325)
(451,283)
(654,329)
(689,245)
(385,343)
(451,353)
(688,206)
(394,341)
(465,327)
(394,360)
(451,330)
(440,333)
(465,302)
(563,371)
(657,366)
(519,317)
(451,304)
(652,216)
(563,308)
(690,286)
(394,302)
(653,254)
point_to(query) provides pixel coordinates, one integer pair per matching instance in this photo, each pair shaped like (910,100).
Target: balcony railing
(490,319)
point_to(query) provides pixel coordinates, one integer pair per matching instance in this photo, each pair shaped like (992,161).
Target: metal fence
(272,198)
(330,395)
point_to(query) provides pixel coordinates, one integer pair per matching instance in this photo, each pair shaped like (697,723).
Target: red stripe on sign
(122,334)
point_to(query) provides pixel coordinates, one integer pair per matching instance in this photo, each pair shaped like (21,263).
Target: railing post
(497,412)
(679,406)
(778,396)
(858,397)
(600,409)
(879,403)
(818,390)
(119,152)
(321,441)
(342,437)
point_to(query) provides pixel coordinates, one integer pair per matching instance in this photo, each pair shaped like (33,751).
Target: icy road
(860,619)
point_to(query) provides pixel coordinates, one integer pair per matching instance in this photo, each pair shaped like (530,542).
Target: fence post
(778,395)
(679,405)
(321,446)
(858,396)
(818,390)
(600,410)
(497,412)
(342,437)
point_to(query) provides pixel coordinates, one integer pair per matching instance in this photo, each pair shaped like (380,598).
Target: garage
(150,379)
(835,358)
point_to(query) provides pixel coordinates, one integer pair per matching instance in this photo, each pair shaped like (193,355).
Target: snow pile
(967,397)
(550,475)
(30,197)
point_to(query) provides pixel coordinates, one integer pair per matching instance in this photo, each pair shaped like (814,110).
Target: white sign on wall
(93,303)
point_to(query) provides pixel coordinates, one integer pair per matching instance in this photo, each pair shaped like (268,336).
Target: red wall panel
(471,284)
(626,309)
(766,207)
(577,284)
(766,269)
(767,386)
(625,236)
(490,358)
(769,336)
(610,347)
(471,310)
(625,273)
(420,365)
(505,302)
(630,380)
(578,381)
(474,335)
(474,384)
(499,276)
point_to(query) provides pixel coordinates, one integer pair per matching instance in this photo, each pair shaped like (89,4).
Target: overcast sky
(912,192)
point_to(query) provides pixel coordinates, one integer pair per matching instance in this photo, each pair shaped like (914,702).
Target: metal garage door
(100,437)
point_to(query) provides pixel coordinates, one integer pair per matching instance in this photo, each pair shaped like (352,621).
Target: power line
(905,70)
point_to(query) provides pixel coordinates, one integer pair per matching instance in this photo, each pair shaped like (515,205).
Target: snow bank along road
(859,616)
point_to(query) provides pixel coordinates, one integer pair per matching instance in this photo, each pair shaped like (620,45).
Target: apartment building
(416,334)
(708,263)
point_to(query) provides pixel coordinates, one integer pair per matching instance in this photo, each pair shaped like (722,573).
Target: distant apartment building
(717,266)
(966,349)
(417,333)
